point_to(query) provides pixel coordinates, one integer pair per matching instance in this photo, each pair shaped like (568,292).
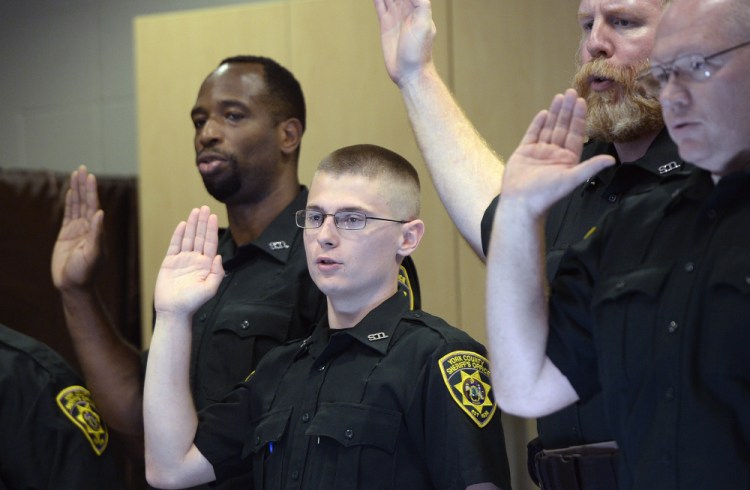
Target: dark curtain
(31,210)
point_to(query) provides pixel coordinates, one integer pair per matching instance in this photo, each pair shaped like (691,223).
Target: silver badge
(278,245)
(377,336)
(669,167)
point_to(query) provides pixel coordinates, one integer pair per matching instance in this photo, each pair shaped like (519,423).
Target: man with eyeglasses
(378,396)
(622,121)
(652,308)
(249,118)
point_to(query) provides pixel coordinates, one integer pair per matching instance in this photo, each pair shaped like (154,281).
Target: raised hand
(191,271)
(78,247)
(545,167)
(406,34)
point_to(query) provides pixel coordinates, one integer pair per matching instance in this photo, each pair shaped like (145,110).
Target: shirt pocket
(242,334)
(624,310)
(357,443)
(265,434)
(725,328)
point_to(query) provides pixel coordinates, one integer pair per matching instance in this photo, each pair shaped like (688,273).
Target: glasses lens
(696,65)
(649,81)
(350,220)
(308,219)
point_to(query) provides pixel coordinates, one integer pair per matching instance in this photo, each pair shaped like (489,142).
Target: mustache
(602,68)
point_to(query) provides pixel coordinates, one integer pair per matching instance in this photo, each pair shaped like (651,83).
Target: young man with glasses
(652,308)
(622,121)
(378,396)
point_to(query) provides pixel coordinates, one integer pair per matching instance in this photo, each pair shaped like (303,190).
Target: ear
(411,235)
(290,135)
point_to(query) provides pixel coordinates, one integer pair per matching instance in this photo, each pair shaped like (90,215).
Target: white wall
(67,90)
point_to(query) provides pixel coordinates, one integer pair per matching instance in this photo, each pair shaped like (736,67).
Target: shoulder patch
(467,377)
(76,403)
(405,285)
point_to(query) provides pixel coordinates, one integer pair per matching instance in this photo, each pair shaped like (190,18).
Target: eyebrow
(630,12)
(224,104)
(349,209)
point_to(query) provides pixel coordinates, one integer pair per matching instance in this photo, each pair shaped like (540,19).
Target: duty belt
(588,467)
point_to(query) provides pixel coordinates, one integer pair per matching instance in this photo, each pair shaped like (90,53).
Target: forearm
(466,172)
(110,365)
(526,382)
(170,419)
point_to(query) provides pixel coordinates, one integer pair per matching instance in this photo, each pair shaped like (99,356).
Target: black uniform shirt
(655,308)
(51,435)
(567,223)
(265,299)
(401,401)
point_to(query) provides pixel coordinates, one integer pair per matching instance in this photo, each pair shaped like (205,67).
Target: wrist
(425,74)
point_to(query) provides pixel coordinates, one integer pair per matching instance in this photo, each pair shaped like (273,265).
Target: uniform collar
(375,330)
(700,187)
(276,240)
(661,158)
(661,161)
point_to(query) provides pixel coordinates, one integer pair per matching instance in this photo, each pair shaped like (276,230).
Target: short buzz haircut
(286,99)
(376,162)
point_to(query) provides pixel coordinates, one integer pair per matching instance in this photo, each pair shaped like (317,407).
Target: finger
(564,118)
(592,166)
(176,241)
(72,201)
(97,227)
(217,268)
(81,209)
(200,231)
(91,195)
(380,7)
(545,135)
(577,133)
(532,133)
(188,238)
(211,245)
(68,212)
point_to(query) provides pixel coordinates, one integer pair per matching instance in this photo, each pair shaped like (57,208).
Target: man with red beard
(617,38)
(249,118)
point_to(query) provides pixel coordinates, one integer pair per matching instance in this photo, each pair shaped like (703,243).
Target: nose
(328,234)
(209,134)
(673,95)
(599,41)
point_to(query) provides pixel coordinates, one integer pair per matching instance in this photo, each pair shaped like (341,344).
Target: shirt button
(295,475)
(612,198)
(202,317)
(669,394)
(245,325)
(305,417)
(672,327)
(322,368)
(689,267)
(349,433)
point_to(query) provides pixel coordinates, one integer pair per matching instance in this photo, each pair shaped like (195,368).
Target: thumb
(593,166)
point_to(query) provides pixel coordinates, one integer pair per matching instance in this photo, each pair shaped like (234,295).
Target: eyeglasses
(344,220)
(697,67)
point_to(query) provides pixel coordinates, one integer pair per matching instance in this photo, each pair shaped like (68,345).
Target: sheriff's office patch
(403,280)
(76,403)
(467,377)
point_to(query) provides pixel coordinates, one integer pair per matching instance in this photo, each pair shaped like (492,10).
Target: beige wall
(504,59)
